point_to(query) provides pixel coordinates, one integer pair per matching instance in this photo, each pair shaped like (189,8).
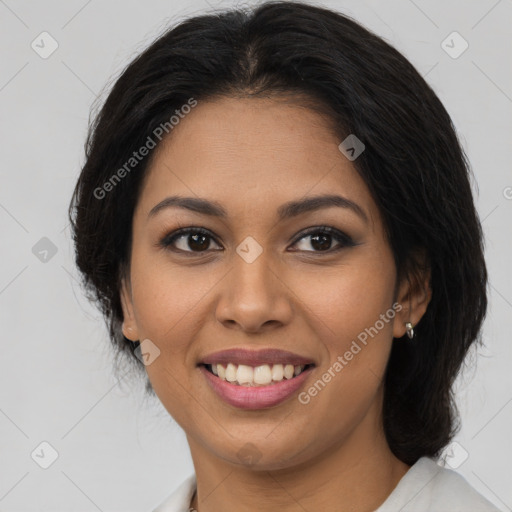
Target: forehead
(260,152)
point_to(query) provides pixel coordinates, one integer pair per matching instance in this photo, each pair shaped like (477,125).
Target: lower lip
(257,397)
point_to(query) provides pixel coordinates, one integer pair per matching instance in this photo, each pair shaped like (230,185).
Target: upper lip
(256,357)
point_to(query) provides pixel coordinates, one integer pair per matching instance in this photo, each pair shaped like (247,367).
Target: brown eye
(199,240)
(188,240)
(322,238)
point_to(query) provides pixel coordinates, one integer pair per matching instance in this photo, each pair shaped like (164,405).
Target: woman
(276,220)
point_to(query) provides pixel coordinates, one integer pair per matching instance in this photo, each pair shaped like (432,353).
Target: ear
(414,294)
(130,330)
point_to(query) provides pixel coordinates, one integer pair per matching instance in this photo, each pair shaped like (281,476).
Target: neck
(357,474)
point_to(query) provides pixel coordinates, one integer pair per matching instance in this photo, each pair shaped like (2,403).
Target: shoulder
(428,487)
(179,499)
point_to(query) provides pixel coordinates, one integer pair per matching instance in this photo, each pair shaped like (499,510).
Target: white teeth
(288,371)
(277,372)
(244,374)
(231,372)
(262,375)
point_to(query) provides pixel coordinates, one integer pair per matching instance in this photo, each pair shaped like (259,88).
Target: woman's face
(257,280)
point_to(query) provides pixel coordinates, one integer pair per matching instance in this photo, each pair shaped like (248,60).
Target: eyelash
(343,239)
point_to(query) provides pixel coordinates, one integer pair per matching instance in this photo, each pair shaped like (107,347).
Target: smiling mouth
(255,376)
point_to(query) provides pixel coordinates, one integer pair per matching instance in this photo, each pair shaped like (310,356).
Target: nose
(254,298)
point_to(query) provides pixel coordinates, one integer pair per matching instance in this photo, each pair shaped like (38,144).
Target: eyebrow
(284,212)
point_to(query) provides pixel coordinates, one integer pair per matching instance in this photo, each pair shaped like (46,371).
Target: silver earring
(410,330)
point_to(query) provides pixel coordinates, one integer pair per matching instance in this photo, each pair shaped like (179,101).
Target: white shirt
(426,487)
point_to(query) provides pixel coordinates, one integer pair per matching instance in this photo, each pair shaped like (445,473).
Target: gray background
(116,452)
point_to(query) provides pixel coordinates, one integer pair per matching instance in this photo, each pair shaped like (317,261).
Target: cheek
(350,310)
(166,302)
(165,297)
(352,316)
(349,298)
